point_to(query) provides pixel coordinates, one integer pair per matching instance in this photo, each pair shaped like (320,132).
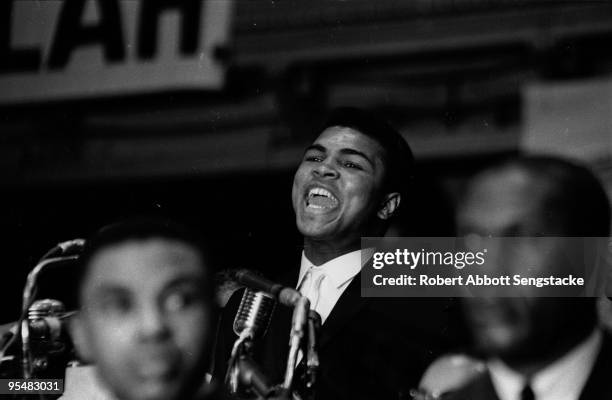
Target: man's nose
(325,170)
(153,324)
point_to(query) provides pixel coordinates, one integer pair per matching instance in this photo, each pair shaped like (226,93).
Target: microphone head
(254,314)
(44,319)
(44,308)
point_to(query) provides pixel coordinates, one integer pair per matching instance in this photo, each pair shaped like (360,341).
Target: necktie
(527,393)
(312,285)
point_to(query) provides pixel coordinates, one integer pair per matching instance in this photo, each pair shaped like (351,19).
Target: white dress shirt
(562,380)
(330,280)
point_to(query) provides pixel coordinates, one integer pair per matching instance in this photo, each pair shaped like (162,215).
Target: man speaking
(350,183)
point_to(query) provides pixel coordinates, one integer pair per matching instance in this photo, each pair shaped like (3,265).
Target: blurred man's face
(145,322)
(510,203)
(338,186)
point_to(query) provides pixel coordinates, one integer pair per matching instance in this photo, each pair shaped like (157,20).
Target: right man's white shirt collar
(564,379)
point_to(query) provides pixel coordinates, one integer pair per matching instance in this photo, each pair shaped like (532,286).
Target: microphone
(45,321)
(251,322)
(285,295)
(254,314)
(62,252)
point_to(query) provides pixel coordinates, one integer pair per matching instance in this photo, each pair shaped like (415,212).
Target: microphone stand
(28,296)
(242,369)
(312,355)
(300,316)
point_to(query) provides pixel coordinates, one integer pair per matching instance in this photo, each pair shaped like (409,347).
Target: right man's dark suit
(370,348)
(597,387)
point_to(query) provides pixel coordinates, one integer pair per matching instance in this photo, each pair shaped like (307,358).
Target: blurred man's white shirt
(562,380)
(82,383)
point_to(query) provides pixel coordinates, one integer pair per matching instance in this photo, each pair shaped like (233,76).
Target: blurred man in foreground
(537,347)
(147,315)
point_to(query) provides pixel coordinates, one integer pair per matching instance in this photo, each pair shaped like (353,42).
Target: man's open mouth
(319,198)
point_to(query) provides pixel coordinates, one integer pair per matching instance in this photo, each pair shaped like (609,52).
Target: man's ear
(76,327)
(389,205)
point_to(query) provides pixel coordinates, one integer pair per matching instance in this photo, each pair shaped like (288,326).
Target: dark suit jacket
(369,348)
(598,385)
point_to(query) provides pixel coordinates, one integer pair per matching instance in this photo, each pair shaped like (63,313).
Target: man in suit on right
(537,347)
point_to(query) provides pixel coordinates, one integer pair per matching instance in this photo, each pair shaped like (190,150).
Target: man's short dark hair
(399,161)
(575,197)
(143,228)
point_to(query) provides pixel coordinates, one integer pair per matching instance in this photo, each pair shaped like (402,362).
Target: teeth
(321,192)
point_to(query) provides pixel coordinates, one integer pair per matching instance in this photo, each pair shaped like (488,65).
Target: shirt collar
(570,373)
(507,382)
(339,270)
(563,379)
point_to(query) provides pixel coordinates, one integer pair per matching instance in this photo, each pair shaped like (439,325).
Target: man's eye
(312,158)
(181,299)
(349,164)
(118,305)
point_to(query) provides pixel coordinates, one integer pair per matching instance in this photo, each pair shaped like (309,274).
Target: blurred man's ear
(79,337)
(389,205)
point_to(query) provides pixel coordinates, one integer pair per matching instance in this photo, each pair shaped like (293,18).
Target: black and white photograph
(305,200)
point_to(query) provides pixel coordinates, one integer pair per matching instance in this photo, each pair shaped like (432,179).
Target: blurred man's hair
(573,196)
